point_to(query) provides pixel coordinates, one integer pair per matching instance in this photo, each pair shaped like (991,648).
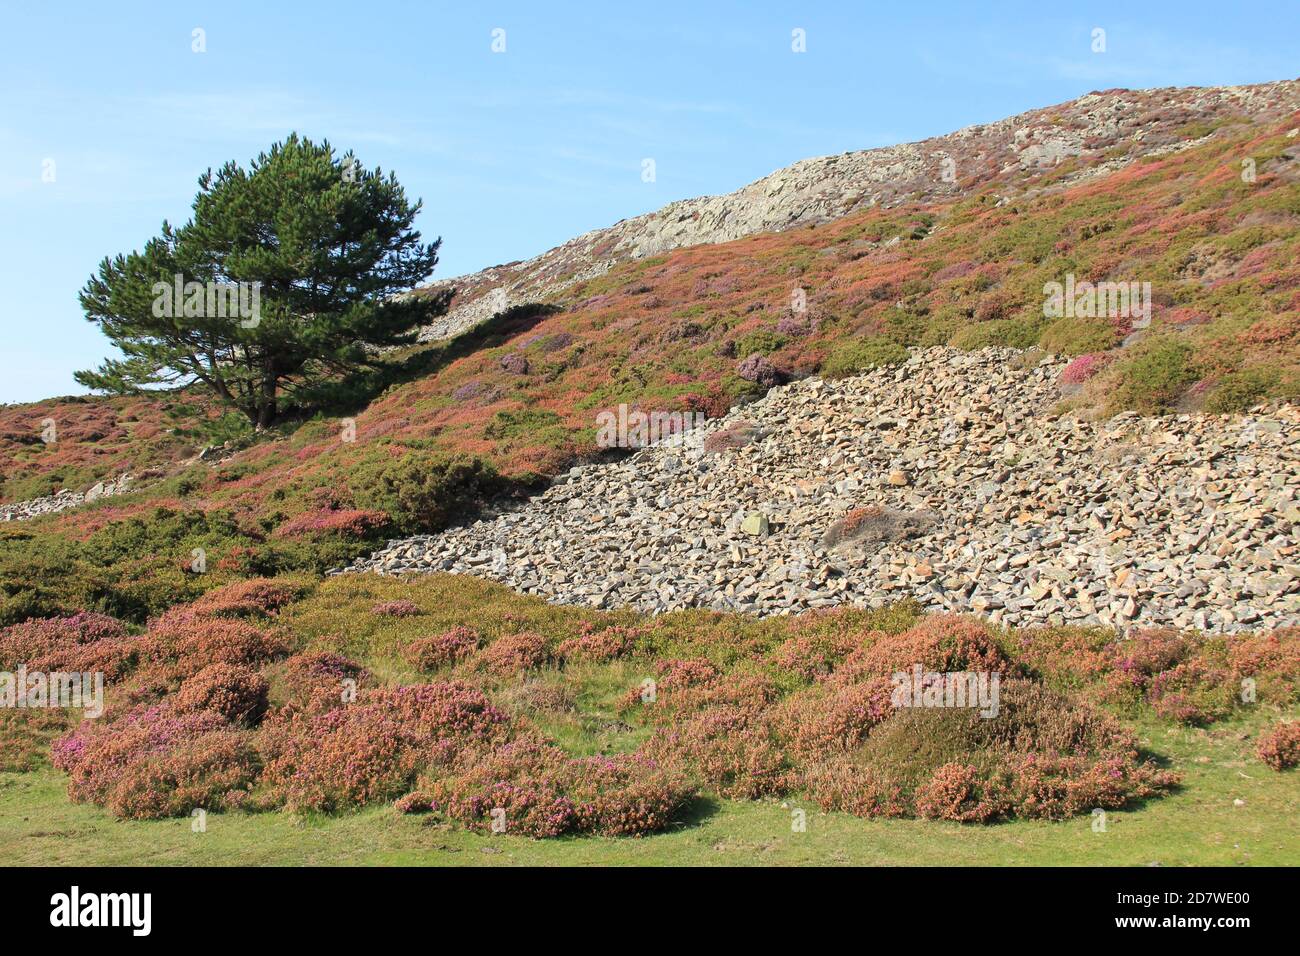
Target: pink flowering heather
(184,641)
(512,653)
(349,522)
(796,323)
(1084,367)
(1280,747)
(758,370)
(398,608)
(315,679)
(605,644)
(155,762)
(83,642)
(253,597)
(515,363)
(372,750)
(441,650)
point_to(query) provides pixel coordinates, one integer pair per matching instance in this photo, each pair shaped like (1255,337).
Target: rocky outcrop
(946,480)
(62,500)
(1103,131)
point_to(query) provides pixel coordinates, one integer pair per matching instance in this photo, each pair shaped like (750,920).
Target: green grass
(1196,825)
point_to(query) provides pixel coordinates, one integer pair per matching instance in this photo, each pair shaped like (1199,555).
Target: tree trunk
(266,408)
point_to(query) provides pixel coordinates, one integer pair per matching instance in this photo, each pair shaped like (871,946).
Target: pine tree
(288,273)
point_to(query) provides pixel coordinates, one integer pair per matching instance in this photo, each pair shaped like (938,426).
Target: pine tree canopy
(289,273)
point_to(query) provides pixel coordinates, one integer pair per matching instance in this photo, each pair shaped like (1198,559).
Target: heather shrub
(1183,677)
(796,323)
(672,675)
(1084,367)
(442,650)
(812,656)
(605,644)
(215,771)
(861,355)
(1021,332)
(539,791)
(398,608)
(755,368)
(1078,336)
(1055,787)
(843,784)
(959,792)
(994,306)
(1067,658)
(1238,391)
(314,680)
(627,794)
(553,343)
(736,435)
(730,749)
(1193,692)
(484,392)
(372,750)
(516,363)
(183,642)
(344,522)
(1271,660)
(417,801)
(513,653)
(522,779)
(873,525)
(913,742)
(1155,374)
(717,730)
(26,736)
(1042,755)
(83,642)
(1147,652)
(235,692)
(826,719)
(155,762)
(940,643)
(251,598)
(760,342)
(1280,747)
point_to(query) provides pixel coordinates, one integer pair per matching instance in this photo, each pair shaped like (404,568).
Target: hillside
(705,328)
(902,470)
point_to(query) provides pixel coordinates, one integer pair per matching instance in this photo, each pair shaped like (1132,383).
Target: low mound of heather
(500,713)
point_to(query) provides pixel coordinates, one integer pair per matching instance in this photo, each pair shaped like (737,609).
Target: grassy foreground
(1197,825)
(1199,822)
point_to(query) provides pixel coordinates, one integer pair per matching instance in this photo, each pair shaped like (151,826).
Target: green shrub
(1238,391)
(529,426)
(763,341)
(1018,333)
(907,327)
(1073,336)
(425,492)
(1153,378)
(861,355)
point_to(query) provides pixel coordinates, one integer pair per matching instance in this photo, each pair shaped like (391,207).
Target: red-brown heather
(233,711)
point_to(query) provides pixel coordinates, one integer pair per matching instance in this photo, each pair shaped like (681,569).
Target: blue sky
(515,152)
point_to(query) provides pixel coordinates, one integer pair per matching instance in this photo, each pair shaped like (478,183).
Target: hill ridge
(1014,150)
